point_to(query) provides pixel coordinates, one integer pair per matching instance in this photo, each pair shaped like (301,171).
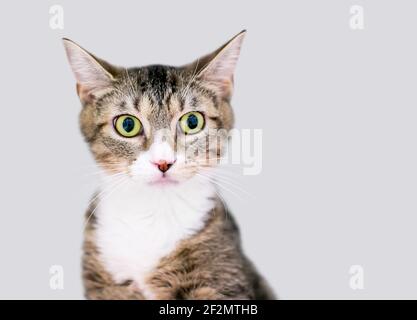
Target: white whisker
(107,195)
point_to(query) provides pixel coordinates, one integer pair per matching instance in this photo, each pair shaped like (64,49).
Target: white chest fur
(137,225)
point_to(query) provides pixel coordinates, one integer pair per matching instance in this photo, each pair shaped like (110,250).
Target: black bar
(149,310)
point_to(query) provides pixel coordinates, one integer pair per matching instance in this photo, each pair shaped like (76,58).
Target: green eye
(128,126)
(192,122)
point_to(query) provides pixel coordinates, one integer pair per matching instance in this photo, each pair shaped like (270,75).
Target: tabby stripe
(218,121)
(100,100)
(136,103)
(96,132)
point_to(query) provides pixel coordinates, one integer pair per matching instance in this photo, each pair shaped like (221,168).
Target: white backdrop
(337,107)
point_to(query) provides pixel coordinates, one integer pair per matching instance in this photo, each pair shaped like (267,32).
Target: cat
(158,228)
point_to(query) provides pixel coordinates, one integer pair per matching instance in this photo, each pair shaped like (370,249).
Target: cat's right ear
(92,74)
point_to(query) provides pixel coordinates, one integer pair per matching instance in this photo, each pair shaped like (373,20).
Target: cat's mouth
(163,180)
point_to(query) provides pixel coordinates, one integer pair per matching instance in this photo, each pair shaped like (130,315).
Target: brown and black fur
(207,265)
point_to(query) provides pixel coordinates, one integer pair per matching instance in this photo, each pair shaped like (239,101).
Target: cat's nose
(163,165)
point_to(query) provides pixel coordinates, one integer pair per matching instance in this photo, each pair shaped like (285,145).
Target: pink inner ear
(220,69)
(222,81)
(226,87)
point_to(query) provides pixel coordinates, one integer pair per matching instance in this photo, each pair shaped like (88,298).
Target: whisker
(122,182)
(184,92)
(216,183)
(223,201)
(98,173)
(111,184)
(228,181)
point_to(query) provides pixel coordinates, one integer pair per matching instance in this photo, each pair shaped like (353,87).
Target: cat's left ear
(218,67)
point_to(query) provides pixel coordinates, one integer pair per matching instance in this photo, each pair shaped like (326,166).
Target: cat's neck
(129,198)
(138,225)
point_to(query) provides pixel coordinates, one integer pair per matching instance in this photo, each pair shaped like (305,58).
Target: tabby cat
(157,228)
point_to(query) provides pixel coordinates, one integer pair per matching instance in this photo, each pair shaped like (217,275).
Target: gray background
(338,113)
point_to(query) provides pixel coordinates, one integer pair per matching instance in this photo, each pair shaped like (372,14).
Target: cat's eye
(128,126)
(192,122)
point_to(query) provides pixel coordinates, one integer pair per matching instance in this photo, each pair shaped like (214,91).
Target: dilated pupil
(128,124)
(192,121)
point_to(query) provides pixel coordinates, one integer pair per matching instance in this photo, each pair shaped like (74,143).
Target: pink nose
(163,165)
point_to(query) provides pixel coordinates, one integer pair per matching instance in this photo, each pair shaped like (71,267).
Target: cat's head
(160,125)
